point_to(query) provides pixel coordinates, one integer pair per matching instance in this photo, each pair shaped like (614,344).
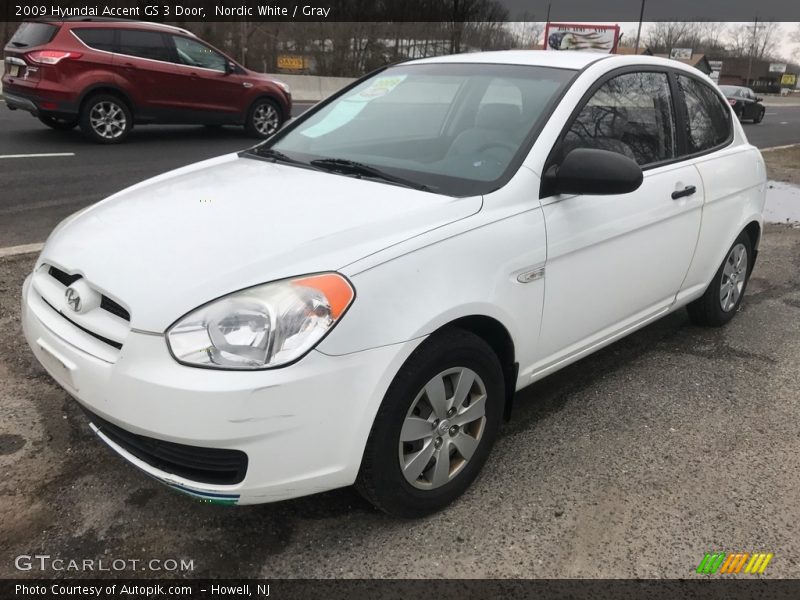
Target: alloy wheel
(266,119)
(443,428)
(108,120)
(734,276)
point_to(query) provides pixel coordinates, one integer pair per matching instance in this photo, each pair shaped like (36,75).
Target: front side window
(453,128)
(630,114)
(143,44)
(195,54)
(97,38)
(709,123)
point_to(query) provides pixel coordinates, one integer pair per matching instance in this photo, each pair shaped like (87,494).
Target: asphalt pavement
(633,462)
(39,191)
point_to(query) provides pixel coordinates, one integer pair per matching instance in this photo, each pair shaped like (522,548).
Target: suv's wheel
(263,119)
(58,123)
(435,427)
(106,119)
(724,295)
(759,116)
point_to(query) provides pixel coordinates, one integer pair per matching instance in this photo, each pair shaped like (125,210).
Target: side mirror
(759,98)
(230,67)
(593,171)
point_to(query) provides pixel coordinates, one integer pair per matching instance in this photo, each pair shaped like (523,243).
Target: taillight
(731,101)
(51,57)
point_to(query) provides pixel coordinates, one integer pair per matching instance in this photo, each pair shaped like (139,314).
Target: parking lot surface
(634,462)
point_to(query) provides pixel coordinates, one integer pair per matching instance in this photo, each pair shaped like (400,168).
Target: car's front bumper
(302,427)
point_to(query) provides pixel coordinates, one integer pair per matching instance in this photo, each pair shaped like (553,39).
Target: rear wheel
(724,295)
(105,119)
(263,119)
(436,426)
(58,123)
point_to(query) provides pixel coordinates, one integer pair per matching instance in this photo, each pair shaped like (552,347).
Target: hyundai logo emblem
(73,299)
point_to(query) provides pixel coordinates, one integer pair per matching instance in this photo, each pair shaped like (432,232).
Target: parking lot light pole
(639,30)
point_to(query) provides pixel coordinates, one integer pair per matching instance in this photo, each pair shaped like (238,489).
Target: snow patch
(783,203)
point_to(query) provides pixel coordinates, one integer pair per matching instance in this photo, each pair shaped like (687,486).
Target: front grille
(203,465)
(97,336)
(106,303)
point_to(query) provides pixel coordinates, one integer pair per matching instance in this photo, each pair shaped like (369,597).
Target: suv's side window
(630,114)
(195,54)
(97,38)
(709,122)
(144,44)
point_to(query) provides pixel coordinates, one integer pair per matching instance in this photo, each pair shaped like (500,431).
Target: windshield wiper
(342,165)
(276,156)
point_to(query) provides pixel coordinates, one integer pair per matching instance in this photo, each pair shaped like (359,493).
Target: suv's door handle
(687,191)
(128,65)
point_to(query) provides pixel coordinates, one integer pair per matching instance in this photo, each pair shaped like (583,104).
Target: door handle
(129,65)
(687,191)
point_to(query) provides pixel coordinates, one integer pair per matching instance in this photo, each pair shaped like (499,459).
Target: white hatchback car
(357,299)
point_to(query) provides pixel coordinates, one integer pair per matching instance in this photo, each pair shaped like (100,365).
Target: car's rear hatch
(29,36)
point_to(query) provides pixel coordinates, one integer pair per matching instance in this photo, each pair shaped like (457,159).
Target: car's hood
(171,243)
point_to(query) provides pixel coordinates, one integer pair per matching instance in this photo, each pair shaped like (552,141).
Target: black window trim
(679,115)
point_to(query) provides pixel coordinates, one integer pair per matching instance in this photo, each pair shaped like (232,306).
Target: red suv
(107,75)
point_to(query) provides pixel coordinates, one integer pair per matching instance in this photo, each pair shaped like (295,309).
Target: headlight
(264,326)
(283,86)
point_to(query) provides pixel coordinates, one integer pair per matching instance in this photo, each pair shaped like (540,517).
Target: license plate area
(59,368)
(14,70)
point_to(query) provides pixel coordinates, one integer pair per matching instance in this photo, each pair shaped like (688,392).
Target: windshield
(455,129)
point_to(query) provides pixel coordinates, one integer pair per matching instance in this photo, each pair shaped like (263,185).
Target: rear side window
(144,44)
(33,34)
(630,114)
(709,120)
(99,39)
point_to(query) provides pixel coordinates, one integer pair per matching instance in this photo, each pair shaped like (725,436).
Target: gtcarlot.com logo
(45,562)
(734,562)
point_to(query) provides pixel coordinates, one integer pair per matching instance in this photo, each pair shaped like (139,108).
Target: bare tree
(663,36)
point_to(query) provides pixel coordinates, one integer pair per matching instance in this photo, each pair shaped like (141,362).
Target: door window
(630,114)
(144,44)
(708,124)
(99,39)
(195,54)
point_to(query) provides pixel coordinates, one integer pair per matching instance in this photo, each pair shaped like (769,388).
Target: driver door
(615,261)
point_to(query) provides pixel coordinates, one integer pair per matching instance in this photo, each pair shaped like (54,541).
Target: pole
(639,30)
(752,51)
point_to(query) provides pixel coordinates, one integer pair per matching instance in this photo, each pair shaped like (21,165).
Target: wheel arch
(271,97)
(494,333)
(105,88)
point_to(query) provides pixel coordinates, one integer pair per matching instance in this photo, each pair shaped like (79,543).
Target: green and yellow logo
(733,562)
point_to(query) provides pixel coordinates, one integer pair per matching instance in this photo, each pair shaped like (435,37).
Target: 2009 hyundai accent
(357,299)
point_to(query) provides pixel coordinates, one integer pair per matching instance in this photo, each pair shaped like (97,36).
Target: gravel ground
(631,463)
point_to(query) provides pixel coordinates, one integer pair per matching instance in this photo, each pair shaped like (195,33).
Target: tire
(715,307)
(441,362)
(106,119)
(58,123)
(760,116)
(263,119)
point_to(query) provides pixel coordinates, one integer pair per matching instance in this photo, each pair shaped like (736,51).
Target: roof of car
(563,59)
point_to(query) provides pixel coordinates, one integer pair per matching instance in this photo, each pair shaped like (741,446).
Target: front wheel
(759,116)
(435,427)
(725,292)
(263,119)
(106,119)
(58,123)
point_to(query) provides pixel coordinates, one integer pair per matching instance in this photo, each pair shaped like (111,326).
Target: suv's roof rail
(79,19)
